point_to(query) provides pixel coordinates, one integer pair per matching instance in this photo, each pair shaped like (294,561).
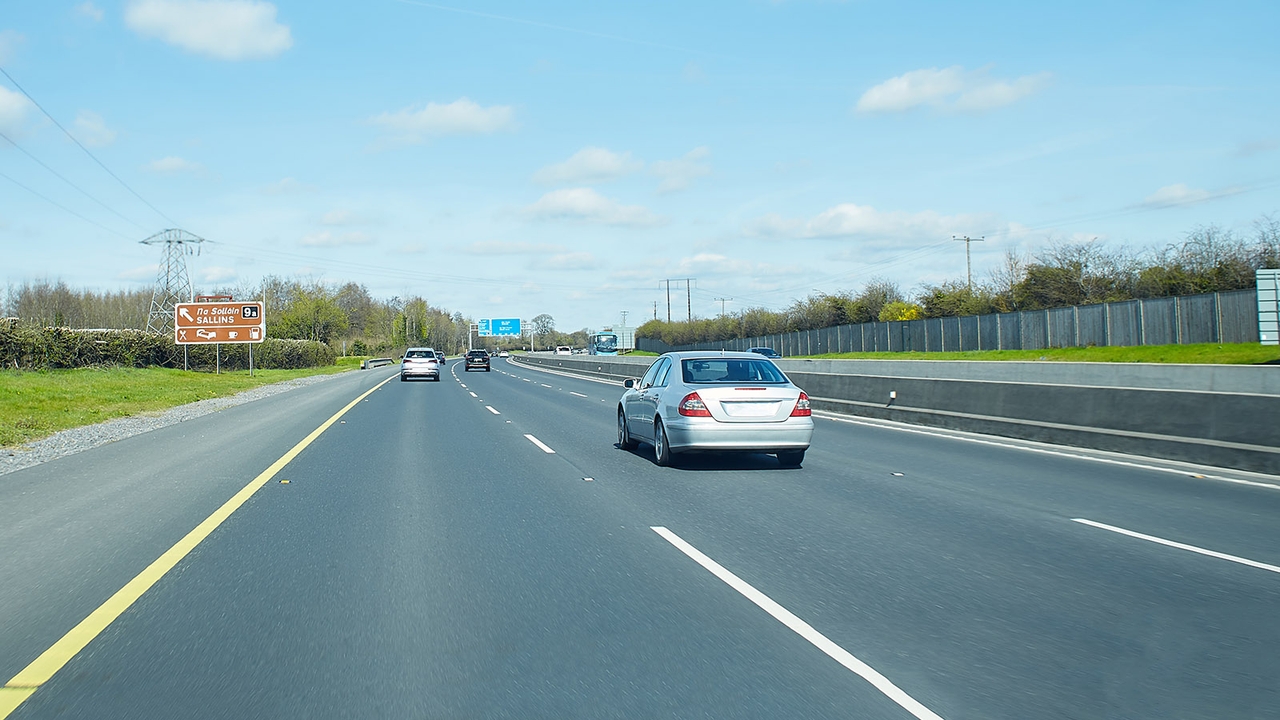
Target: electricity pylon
(173,283)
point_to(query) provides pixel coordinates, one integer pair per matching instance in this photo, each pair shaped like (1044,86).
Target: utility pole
(688,290)
(722,301)
(655,309)
(968,262)
(624,318)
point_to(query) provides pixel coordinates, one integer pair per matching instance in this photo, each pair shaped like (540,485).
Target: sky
(507,159)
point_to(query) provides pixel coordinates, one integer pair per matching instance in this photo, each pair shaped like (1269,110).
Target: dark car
(477,359)
(440,357)
(765,351)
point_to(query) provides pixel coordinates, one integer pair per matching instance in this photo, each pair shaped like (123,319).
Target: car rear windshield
(730,370)
(477,353)
(419,354)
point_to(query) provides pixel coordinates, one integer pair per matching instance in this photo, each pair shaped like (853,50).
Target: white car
(504,354)
(564,350)
(420,362)
(712,402)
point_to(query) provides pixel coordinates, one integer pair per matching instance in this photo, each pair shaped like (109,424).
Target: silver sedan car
(704,401)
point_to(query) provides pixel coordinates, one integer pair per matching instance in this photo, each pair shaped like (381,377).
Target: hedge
(23,347)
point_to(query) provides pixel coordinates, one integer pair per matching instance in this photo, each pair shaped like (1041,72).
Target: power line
(85,149)
(65,208)
(63,179)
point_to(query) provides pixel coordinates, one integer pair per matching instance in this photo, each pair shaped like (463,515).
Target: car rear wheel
(791,458)
(624,435)
(661,448)
(401,377)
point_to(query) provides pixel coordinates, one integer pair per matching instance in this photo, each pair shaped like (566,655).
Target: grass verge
(34,405)
(1224,354)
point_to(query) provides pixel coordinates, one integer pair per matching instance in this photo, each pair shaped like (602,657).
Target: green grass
(1225,354)
(37,404)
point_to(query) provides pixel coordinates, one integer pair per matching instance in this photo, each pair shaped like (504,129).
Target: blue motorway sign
(505,327)
(498,327)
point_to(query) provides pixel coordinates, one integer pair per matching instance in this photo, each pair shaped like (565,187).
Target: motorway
(479,548)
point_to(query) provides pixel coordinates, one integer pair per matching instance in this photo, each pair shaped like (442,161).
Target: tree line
(1207,259)
(345,317)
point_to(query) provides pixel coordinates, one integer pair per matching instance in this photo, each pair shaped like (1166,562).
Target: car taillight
(802,407)
(692,406)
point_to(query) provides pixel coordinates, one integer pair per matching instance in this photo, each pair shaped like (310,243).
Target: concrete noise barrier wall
(1218,415)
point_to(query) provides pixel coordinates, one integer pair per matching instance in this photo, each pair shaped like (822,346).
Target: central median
(1207,414)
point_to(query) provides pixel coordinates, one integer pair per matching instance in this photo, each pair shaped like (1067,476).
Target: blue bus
(603,343)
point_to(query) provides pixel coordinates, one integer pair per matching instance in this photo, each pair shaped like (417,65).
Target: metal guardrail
(375,362)
(1210,415)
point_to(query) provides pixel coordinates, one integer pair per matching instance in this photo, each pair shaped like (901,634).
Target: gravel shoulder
(70,442)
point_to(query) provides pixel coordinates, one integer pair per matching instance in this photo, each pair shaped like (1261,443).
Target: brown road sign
(219,322)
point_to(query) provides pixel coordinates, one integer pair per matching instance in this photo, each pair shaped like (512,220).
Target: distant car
(504,354)
(708,402)
(564,350)
(765,351)
(420,362)
(477,359)
(440,356)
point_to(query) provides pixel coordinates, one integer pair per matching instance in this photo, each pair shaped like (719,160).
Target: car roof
(419,348)
(711,354)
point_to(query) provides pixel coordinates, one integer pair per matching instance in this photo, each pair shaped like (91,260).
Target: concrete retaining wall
(1227,416)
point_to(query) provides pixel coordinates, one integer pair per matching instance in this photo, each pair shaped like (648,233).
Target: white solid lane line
(801,628)
(576,393)
(540,444)
(473,394)
(1180,546)
(495,412)
(1045,449)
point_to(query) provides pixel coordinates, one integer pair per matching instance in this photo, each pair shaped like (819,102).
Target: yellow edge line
(38,672)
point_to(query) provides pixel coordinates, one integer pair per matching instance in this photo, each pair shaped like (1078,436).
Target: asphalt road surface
(479,548)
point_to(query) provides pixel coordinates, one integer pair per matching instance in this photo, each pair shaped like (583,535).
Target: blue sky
(507,159)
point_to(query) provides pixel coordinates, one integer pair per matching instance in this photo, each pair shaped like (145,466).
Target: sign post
(204,323)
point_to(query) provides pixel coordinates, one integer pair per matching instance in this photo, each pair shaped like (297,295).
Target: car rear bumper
(793,434)
(420,373)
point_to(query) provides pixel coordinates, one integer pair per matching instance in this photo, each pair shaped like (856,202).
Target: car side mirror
(629,383)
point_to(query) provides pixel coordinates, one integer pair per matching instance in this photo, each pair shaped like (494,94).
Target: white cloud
(864,221)
(952,88)
(707,264)
(142,272)
(216,274)
(460,117)
(677,174)
(9,42)
(1180,194)
(328,239)
(13,111)
(337,217)
(89,10)
(92,130)
(286,186)
(499,247)
(586,205)
(175,165)
(572,261)
(589,165)
(220,29)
